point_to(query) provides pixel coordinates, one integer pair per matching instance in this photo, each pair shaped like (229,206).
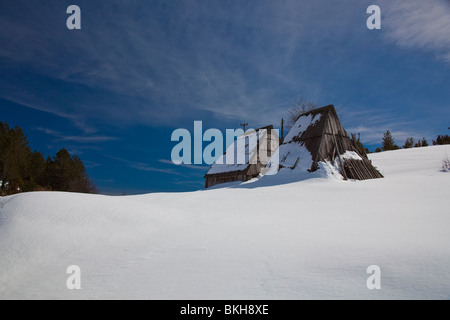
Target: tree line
(388,142)
(23,170)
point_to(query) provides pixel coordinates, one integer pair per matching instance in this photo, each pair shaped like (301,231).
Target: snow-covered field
(309,239)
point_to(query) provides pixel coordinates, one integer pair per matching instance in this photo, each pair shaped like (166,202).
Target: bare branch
(299,107)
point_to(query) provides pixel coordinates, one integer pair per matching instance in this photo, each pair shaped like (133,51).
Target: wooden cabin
(224,171)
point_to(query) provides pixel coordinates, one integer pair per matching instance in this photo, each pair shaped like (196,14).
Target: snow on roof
(318,136)
(301,125)
(293,154)
(239,154)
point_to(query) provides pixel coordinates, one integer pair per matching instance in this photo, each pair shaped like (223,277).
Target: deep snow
(308,239)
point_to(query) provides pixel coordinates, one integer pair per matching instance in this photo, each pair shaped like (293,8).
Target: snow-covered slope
(309,239)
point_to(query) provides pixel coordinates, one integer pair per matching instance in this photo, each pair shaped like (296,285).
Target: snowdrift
(295,240)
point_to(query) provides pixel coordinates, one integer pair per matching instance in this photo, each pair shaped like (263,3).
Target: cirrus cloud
(419,24)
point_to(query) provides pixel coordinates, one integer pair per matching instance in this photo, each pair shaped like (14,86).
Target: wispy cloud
(419,24)
(80,139)
(233,61)
(23,99)
(208,57)
(27,99)
(373,127)
(144,166)
(91,164)
(190,166)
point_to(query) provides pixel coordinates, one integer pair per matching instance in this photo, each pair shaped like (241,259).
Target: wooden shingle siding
(327,139)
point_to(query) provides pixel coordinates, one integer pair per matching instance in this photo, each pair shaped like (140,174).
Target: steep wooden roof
(321,132)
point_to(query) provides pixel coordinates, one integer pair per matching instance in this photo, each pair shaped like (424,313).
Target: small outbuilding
(321,133)
(242,160)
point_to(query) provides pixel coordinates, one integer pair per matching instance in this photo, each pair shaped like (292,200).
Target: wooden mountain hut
(255,142)
(321,132)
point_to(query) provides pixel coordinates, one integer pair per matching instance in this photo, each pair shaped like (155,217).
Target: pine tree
(36,179)
(441,140)
(59,171)
(79,180)
(445,139)
(388,142)
(23,170)
(14,156)
(409,143)
(67,173)
(424,143)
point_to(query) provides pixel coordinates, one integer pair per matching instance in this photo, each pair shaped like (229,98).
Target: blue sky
(114,91)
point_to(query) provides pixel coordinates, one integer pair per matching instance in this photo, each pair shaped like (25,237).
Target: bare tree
(299,107)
